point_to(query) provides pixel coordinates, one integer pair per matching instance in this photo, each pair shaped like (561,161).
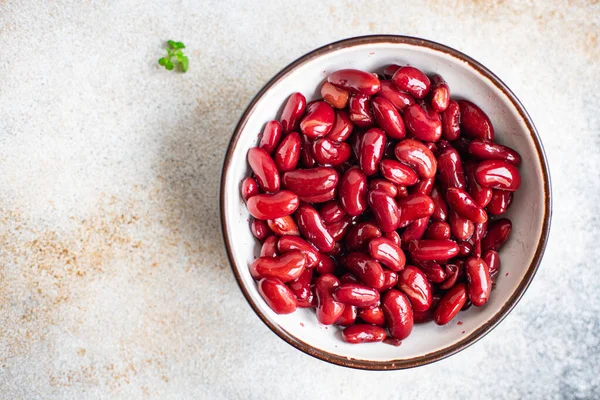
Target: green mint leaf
(184,63)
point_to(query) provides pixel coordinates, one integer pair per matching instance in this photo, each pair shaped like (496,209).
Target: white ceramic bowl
(530,212)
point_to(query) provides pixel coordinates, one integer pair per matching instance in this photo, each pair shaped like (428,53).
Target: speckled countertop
(113,277)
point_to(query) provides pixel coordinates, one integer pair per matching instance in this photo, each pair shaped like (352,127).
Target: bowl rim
(508,305)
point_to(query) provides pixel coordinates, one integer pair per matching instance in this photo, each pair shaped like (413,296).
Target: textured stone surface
(113,277)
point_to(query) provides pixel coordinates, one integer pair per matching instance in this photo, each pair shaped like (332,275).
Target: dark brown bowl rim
(508,305)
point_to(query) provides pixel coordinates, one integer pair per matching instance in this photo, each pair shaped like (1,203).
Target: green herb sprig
(175,50)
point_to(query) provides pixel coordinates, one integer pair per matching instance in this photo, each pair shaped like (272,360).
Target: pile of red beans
(378,204)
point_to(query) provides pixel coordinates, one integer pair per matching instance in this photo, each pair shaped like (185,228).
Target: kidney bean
(271,206)
(492,260)
(277,295)
(312,228)
(348,317)
(413,81)
(413,207)
(338,229)
(366,269)
(402,192)
(440,211)
(337,97)
(306,157)
(359,107)
(301,286)
(465,206)
(435,250)
(283,226)
(372,315)
(371,150)
(479,281)
(450,304)
(260,229)
(353,192)
(271,136)
(288,153)
(433,271)
(318,120)
(387,253)
(326,265)
(394,237)
(424,186)
(293,110)
(320,198)
(399,99)
(327,152)
(474,122)
(311,301)
(440,93)
(415,286)
(461,228)
(356,295)
(435,149)
(383,185)
(363,333)
(249,188)
(348,278)
(385,209)
(361,234)
(390,280)
(388,118)
(415,230)
(389,71)
(501,200)
(438,230)
(328,310)
(355,81)
(478,234)
(485,150)
(289,243)
(451,121)
(286,267)
(398,173)
(498,174)
(497,234)
(331,212)
(423,123)
(398,314)
(482,195)
(417,155)
(450,169)
(311,182)
(269,247)
(342,127)
(264,169)
(465,248)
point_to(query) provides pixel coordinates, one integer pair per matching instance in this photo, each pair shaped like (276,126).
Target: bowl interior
(527,213)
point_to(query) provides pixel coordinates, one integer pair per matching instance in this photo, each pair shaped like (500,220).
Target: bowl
(530,212)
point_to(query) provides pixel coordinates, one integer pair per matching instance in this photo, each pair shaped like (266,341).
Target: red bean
(356,295)
(328,310)
(424,186)
(342,127)
(312,228)
(398,173)
(366,269)
(415,230)
(450,304)
(478,234)
(301,286)
(501,200)
(398,314)
(497,234)
(387,253)
(393,237)
(423,123)
(461,228)
(283,226)
(293,110)
(479,281)
(385,209)
(474,122)
(413,207)
(348,278)
(440,93)
(269,247)
(318,120)
(451,121)
(450,169)
(440,211)
(438,230)
(264,169)
(453,271)
(348,317)
(288,153)
(311,301)
(389,281)
(492,260)
(438,250)
(371,150)
(362,333)
(286,267)
(271,206)
(413,81)
(331,212)
(384,186)
(372,315)
(399,99)
(260,229)
(359,107)
(361,234)
(327,152)
(485,150)
(338,229)
(498,174)
(289,243)
(355,81)
(402,192)
(249,188)
(389,71)
(277,296)
(434,272)
(271,136)
(388,118)
(482,195)
(415,286)
(417,155)
(337,97)
(326,265)
(353,192)
(465,206)
(311,182)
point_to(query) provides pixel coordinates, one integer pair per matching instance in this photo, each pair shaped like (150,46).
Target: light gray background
(113,277)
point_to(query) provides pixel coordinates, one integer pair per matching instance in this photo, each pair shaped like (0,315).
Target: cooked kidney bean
(385,209)
(286,267)
(399,99)
(338,229)
(348,278)
(283,226)
(326,264)
(288,153)
(318,120)
(497,174)
(413,207)
(398,173)
(387,253)
(402,192)
(434,250)
(492,260)
(450,304)
(353,192)
(450,169)
(474,122)
(497,234)
(413,81)
(301,285)
(461,228)
(348,317)
(394,237)
(451,121)
(337,97)
(389,71)
(328,309)
(355,81)
(363,333)
(398,314)
(269,247)
(417,155)
(424,186)
(293,110)
(416,287)
(264,169)
(465,206)
(331,212)
(310,182)
(481,194)
(312,228)
(359,107)
(328,152)
(356,295)
(479,281)
(388,118)
(249,188)
(260,229)
(485,150)
(478,234)
(440,93)
(384,186)
(434,272)
(361,234)
(438,230)
(422,122)
(289,243)
(342,127)
(390,279)
(464,249)
(366,269)
(278,296)
(500,201)
(372,315)
(440,211)
(271,136)
(371,150)
(271,206)
(415,230)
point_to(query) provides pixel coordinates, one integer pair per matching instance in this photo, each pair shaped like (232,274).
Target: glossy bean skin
(474,122)
(277,295)
(359,108)
(390,280)
(328,310)
(355,81)
(417,155)
(312,228)
(283,226)
(366,269)
(363,333)
(249,188)
(464,205)
(450,168)
(399,99)
(331,212)
(497,234)
(355,294)
(433,271)
(424,186)
(320,198)
(311,301)
(286,267)
(398,173)
(433,250)
(464,249)
(311,182)
(371,150)
(461,228)
(423,123)
(478,235)
(485,150)
(394,237)
(452,274)
(440,211)
(498,174)
(260,229)
(306,158)
(492,260)
(301,286)
(326,265)
(292,112)
(479,281)
(500,201)
(372,315)
(438,230)
(318,120)
(348,317)
(450,304)
(440,93)
(385,209)
(451,121)
(342,127)
(389,71)
(269,247)
(413,81)
(287,155)
(264,169)
(387,253)
(271,136)
(352,192)
(415,286)
(271,206)
(481,194)
(413,207)
(360,235)
(388,118)
(348,278)
(415,230)
(398,314)
(383,185)
(338,229)
(402,192)
(289,243)
(337,97)
(328,152)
